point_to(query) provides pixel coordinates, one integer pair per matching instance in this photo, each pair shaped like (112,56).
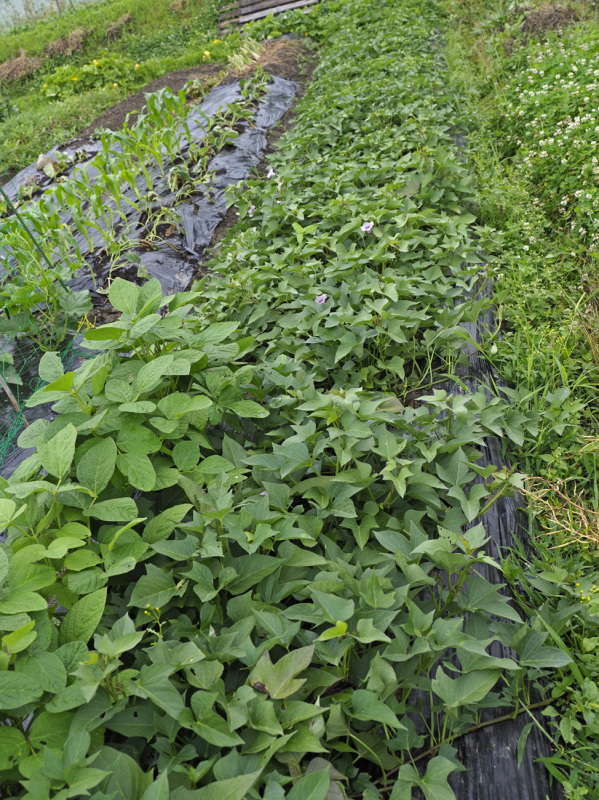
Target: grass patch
(157,38)
(41,125)
(535,157)
(147,20)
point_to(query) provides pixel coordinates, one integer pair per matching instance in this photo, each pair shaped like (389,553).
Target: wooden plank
(249,4)
(277,10)
(267,5)
(249,10)
(246,4)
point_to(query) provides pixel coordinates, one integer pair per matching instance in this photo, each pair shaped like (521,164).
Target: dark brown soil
(115,117)
(287,57)
(548,17)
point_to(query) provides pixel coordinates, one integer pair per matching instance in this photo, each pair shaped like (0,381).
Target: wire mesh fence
(18,12)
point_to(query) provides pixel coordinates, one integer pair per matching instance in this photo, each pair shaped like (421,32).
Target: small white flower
(251,211)
(270,174)
(321,299)
(367,227)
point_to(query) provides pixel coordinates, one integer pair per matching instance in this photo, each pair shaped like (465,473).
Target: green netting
(19,361)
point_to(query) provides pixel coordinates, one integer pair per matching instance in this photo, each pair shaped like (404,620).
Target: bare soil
(114,117)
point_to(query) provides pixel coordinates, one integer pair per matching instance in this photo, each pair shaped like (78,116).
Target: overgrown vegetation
(124,44)
(537,179)
(259,510)
(42,253)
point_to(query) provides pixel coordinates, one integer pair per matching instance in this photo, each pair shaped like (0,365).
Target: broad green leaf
(8,512)
(124,296)
(119,391)
(138,470)
(46,668)
(139,407)
(50,367)
(314,786)
(155,588)
(534,653)
(209,725)
(121,638)
(125,780)
(335,608)
(165,523)
(251,570)
(96,467)
(18,601)
(80,623)
(104,333)
(215,464)
(178,549)
(175,405)
(150,375)
(434,783)
(72,654)
(186,455)
(230,789)
(50,730)
(466,689)
(339,629)
(31,577)
(13,746)
(279,679)
(56,390)
(367,707)
(19,639)
(158,790)
(57,454)
(154,685)
(133,438)
(119,509)
(249,409)
(217,332)
(482,596)
(17,689)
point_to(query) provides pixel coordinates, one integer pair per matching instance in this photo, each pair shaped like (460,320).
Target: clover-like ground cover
(257,508)
(533,133)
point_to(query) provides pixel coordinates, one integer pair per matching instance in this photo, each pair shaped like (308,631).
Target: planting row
(149,199)
(263,513)
(538,175)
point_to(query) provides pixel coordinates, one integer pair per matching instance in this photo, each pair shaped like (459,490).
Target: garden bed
(176,256)
(273,501)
